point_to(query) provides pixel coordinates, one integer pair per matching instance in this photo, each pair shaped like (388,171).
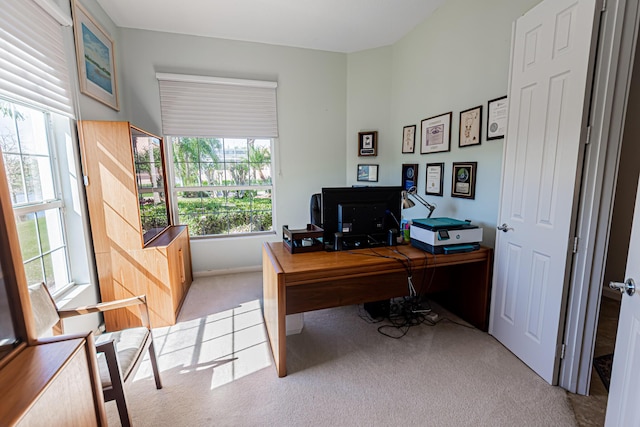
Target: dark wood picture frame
(497,116)
(409,139)
(463,179)
(434,182)
(409,176)
(368,173)
(368,143)
(436,134)
(470,127)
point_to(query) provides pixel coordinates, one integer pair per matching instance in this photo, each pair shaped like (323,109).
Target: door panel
(622,406)
(548,94)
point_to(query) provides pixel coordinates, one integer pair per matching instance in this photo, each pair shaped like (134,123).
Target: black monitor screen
(364,215)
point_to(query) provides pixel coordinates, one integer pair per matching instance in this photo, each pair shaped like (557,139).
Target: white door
(549,88)
(623,408)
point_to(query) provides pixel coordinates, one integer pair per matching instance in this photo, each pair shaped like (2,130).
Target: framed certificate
(497,113)
(435,175)
(368,143)
(368,173)
(463,180)
(409,139)
(409,176)
(436,134)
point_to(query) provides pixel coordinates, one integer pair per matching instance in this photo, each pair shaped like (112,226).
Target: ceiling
(332,25)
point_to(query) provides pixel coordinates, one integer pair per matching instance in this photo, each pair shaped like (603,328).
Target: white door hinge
(604,5)
(575,244)
(563,350)
(85,179)
(588,139)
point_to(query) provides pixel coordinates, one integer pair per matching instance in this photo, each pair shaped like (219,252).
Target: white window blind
(33,62)
(200,106)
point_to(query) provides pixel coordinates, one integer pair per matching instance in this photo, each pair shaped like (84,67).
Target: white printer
(445,235)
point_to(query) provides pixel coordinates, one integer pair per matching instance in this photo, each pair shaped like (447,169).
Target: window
(28,156)
(221,134)
(222,186)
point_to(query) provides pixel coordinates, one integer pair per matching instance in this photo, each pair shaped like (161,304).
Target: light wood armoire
(137,249)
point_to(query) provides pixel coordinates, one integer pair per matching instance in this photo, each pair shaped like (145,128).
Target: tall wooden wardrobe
(132,256)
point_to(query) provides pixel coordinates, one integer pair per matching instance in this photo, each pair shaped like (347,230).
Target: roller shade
(33,61)
(217,107)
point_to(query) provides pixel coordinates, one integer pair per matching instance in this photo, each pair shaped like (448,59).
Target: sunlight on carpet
(230,344)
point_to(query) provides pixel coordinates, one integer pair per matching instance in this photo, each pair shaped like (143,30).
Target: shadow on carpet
(603,368)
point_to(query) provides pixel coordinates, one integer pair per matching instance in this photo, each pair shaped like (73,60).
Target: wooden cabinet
(128,262)
(58,384)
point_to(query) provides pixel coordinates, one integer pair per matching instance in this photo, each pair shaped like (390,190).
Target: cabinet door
(179,257)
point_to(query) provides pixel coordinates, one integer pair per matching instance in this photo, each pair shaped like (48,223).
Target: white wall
(456,59)
(369,109)
(311,98)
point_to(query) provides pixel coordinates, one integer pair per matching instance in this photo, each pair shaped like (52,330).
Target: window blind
(200,106)
(33,61)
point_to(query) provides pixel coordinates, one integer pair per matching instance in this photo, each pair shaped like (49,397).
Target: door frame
(611,83)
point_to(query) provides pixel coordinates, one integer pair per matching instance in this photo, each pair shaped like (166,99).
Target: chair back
(45,312)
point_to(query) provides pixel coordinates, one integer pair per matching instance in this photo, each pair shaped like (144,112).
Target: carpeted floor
(217,370)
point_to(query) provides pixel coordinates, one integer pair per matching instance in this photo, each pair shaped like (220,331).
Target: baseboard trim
(226,271)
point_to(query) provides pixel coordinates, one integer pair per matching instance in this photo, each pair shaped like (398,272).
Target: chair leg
(154,365)
(116,383)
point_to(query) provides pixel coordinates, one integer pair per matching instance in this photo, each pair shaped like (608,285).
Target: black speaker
(392,237)
(337,241)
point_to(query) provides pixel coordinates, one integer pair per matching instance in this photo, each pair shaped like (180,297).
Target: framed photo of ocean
(96,64)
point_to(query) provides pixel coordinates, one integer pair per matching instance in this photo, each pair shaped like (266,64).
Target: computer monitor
(363,215)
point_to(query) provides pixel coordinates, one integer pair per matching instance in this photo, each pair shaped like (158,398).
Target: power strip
(432,317)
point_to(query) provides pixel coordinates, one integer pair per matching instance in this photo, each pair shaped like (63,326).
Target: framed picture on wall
(470,125)
(409,176)
(497,114)
(435,179)
(409,139)
(463,180)
(367,143)
(436,134)
(368,173)
(96,59)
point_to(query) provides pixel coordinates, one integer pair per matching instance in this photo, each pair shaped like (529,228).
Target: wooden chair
(119,353)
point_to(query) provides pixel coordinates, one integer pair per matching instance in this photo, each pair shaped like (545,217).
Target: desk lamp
(408,203)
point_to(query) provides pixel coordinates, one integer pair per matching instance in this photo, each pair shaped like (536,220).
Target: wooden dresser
(127,266)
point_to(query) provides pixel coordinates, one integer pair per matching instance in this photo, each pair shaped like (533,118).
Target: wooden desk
(295,283)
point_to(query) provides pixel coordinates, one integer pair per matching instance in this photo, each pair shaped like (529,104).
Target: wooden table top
(309,267)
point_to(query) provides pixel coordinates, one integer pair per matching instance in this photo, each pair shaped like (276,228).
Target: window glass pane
(55,269)
(238,173)
(34,272)
(32,130)
(8,131)
(237,162)
(50,228)
(235,150)
(39,179)
(13,168)
(28,235)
